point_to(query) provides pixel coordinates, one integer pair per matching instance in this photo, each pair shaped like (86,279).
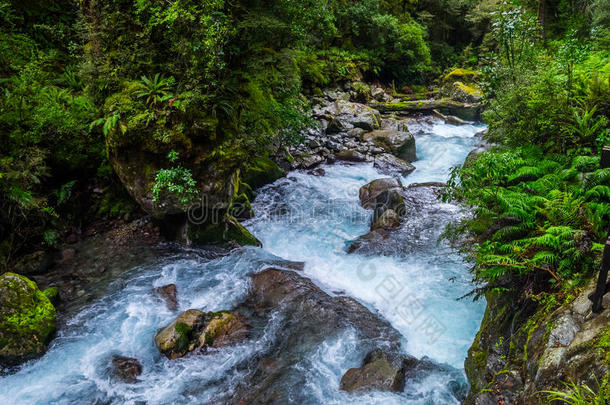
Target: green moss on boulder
(228,229)
(462,75)
(261,171)
(27,320)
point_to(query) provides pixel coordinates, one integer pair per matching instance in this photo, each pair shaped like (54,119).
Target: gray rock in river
(348,115)
(419,227)
(380,371)
(391,165)
(399,143)
(370,191)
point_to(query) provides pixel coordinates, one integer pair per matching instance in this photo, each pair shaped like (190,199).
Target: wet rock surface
(421,211)
(304,317)
(126,369)
(379,372)
(194,330)
(391,165)
(168,294)
(399,143)
(369,192)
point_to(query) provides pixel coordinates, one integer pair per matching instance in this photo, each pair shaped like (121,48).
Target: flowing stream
(299,218)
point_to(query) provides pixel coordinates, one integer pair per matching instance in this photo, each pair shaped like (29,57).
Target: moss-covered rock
(223,329)
(27,320)
(227,229)
(461,75)
(194,330)
(526,346)
(176,339)
(261,171)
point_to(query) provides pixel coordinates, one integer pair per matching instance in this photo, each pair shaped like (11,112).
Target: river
(305,218)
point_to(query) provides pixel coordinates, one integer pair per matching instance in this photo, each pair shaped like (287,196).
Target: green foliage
(581,394)
(177,182)
(531,217)
(548,96)
(155,90)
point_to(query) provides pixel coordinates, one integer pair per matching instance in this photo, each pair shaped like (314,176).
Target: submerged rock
(168,294)
(126,369)
(399,143)
(194,329)
(391,165)
(27,320)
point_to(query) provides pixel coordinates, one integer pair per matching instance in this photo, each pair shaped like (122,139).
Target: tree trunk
(542,9)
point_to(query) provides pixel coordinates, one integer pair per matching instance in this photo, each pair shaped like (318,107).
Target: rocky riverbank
(526,347)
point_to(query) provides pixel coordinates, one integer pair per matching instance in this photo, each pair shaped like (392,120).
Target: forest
(118,110)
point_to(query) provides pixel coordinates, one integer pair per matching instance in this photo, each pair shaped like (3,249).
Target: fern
(597,178)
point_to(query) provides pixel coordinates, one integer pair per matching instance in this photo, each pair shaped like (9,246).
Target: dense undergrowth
(216,79)
(540,200)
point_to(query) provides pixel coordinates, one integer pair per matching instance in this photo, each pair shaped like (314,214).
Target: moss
(604,345)
(238,233)
(184,331)
(464,75)
(227,230)
(470,90)
(216,325)
(28,318)
(261,171)
(241,207)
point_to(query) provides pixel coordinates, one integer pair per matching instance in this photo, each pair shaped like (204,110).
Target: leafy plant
(581,394)
(156,90)
(177,182)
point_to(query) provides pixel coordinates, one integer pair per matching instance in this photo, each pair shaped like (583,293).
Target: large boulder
(27,320)
(348,115)
(421,213)
(219,182)
(295,318)
(369,192)
(390,165)
(193,330)
(379,372)
(399,143)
